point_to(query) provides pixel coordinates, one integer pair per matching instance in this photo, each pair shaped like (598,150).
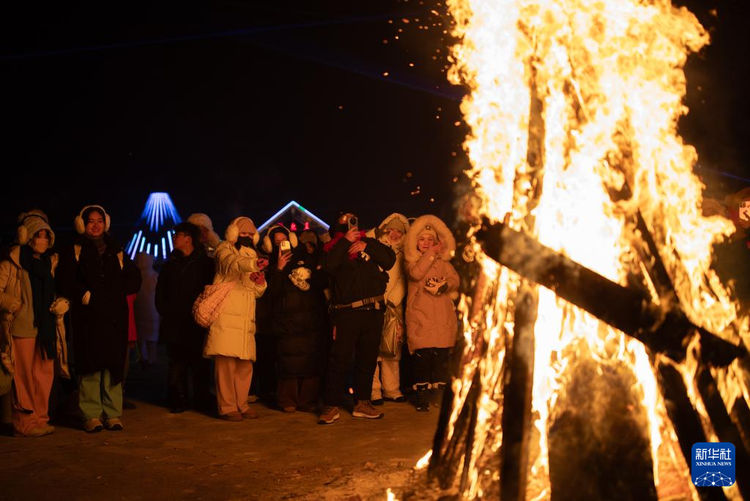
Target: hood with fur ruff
(411,254)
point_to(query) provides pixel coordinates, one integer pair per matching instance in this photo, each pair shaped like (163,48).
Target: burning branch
(662,330)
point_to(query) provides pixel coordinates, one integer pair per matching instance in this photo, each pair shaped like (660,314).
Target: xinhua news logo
(713,464)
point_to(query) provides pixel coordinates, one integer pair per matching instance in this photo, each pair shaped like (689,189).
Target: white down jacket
(233,333)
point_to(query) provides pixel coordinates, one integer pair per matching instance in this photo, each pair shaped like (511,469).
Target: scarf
(42,295)
(338,236)
(100,244)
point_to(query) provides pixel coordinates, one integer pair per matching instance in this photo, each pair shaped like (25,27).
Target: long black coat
(180,282)
(299,319)
(99,329)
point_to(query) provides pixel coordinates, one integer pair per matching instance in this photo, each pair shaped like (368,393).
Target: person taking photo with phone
(295,289)
(358,267)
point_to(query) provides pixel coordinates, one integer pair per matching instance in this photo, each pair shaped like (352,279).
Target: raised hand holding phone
(284,255)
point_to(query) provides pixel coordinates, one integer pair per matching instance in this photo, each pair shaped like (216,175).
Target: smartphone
(285,246)
(353,222)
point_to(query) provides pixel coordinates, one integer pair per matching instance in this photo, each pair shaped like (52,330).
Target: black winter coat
(99,329)
(360,278)
(180,282)
(299,319)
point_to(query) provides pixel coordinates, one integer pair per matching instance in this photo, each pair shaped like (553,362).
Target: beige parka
(431,320)
(15,286)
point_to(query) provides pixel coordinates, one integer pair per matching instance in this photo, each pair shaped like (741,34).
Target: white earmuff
(80,224)
(268,245)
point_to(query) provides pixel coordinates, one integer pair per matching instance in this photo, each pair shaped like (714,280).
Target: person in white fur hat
(231,338)
(209,238)
(30,312)
(386,384)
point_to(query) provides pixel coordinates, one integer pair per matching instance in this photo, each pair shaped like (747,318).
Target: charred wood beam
(741,410)
(648,254)
(724,427)
(517,397)
(470,437)
(661,331)
(447,453)
(449,444)
(740,414)
(517,393)
(684,417)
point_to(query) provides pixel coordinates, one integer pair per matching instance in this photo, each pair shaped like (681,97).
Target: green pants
(97,396)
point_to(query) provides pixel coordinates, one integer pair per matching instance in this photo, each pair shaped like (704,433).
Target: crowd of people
(305,321)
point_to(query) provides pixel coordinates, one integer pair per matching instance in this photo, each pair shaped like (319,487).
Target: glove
(60,306)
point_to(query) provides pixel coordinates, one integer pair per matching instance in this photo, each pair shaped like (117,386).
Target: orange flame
(608,81)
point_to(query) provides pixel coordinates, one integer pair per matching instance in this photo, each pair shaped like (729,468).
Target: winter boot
(436,394)
(422,399)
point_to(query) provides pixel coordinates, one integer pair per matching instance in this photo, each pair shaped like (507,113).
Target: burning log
(455,441)
(598,439)
(686,421)
(517,398)
(518,392)
(661,331)
(447,453)
(740,414)
(740,411)
(724,427)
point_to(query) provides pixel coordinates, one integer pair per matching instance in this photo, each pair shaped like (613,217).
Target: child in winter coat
(431,320)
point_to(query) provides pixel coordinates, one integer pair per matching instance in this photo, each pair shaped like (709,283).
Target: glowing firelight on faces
(610,81)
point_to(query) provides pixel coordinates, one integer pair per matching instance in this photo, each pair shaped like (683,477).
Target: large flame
(572,101)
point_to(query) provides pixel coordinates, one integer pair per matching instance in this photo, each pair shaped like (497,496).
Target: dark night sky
(240,107)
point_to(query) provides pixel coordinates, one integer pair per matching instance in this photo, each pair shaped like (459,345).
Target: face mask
(245,241)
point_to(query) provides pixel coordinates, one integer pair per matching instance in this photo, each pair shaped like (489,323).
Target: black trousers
(184,359)
(264,369)
(358,335)
(302,393)
(431,365)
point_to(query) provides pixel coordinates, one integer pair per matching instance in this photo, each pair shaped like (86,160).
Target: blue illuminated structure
(296,218)
(153,234)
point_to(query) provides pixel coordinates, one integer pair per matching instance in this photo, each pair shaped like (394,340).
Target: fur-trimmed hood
(444,235)
(233,231)
(379,232)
